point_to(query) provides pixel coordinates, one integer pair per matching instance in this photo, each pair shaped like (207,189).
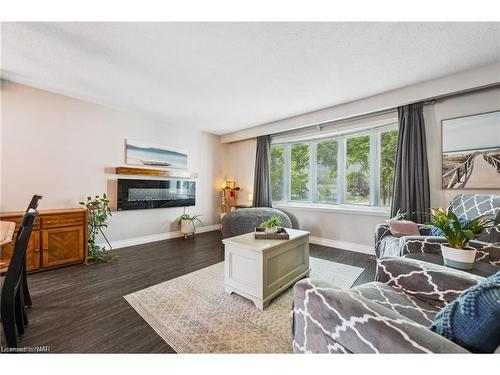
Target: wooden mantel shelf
(155,172)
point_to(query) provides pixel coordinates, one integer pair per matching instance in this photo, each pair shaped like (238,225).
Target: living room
(250,187)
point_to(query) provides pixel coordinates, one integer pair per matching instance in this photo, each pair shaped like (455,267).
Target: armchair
(390,315)
(466,206)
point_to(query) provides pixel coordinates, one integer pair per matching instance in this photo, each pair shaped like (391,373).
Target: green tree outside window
(299,172)
(277,173)
(358,170)
(388,145)
(326,172)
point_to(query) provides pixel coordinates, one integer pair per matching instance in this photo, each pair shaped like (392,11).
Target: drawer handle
(66,222)
(63,221)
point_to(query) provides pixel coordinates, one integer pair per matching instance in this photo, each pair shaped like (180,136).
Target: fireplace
(134,194)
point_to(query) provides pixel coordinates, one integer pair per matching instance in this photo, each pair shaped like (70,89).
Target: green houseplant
(272,225)
(99,211)
(187,223)
(458,233)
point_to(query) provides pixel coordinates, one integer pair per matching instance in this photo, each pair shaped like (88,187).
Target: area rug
(193,314)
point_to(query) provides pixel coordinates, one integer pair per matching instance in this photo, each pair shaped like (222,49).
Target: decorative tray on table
(281,234)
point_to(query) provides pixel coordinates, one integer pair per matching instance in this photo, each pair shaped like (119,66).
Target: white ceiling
(223,77)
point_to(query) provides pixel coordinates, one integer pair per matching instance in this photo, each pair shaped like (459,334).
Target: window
(357,170)
(353,169)
(326,171)
(388,143)
(277,171)
(299,172)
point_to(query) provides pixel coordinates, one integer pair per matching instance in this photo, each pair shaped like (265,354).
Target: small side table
(480,268)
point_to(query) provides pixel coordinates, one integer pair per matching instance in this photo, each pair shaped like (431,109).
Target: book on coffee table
(281,234)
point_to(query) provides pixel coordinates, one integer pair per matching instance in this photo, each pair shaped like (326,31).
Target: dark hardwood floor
(352,258)
(81,309)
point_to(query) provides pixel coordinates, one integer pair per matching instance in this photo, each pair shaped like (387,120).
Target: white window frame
(374,160)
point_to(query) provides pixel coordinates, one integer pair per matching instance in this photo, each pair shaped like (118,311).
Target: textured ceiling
(223,77)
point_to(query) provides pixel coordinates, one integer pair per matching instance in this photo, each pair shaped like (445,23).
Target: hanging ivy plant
(99,211)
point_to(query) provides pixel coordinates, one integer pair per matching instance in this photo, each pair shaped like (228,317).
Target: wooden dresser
(59,238)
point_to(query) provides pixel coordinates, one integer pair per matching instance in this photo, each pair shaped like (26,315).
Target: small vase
(187,227)
(272,230)
(462,259)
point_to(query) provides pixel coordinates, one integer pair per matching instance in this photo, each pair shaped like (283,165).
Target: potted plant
(455,253)
(187,223)
(272,225)
(99,210)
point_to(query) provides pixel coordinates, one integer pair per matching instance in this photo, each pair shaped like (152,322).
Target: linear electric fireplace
(143,194)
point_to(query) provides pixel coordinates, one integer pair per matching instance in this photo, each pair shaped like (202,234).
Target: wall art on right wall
(471,152)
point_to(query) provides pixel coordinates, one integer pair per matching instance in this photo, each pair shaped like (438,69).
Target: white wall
(347,228)
(66,149)
(240,166)
(358,228)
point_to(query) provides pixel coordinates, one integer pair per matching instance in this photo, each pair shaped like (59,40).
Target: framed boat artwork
(471,152)
(152,155)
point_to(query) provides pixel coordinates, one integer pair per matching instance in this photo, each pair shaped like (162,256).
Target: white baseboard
(208,228)
(342,245)
(156,237)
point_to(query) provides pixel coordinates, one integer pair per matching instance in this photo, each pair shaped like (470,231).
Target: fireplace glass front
(134,194)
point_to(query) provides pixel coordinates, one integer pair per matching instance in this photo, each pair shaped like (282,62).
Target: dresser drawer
(64,220)
(59,238)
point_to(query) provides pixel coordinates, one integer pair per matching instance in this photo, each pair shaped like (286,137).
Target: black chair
(12,303)
(27,297)
(34,202)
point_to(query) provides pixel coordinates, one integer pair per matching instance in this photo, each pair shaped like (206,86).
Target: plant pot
(187,227)
(462,259)
(272,230)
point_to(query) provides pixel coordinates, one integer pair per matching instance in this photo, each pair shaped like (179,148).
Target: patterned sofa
(389,315)
(465,206)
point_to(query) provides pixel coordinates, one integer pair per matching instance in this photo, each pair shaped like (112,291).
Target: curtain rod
(428,92)
(353,118)
(371,114)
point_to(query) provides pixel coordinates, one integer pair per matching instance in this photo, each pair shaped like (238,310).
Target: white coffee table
(261,269)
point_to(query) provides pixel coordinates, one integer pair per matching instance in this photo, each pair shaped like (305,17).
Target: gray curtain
(262,182)
(411,176)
